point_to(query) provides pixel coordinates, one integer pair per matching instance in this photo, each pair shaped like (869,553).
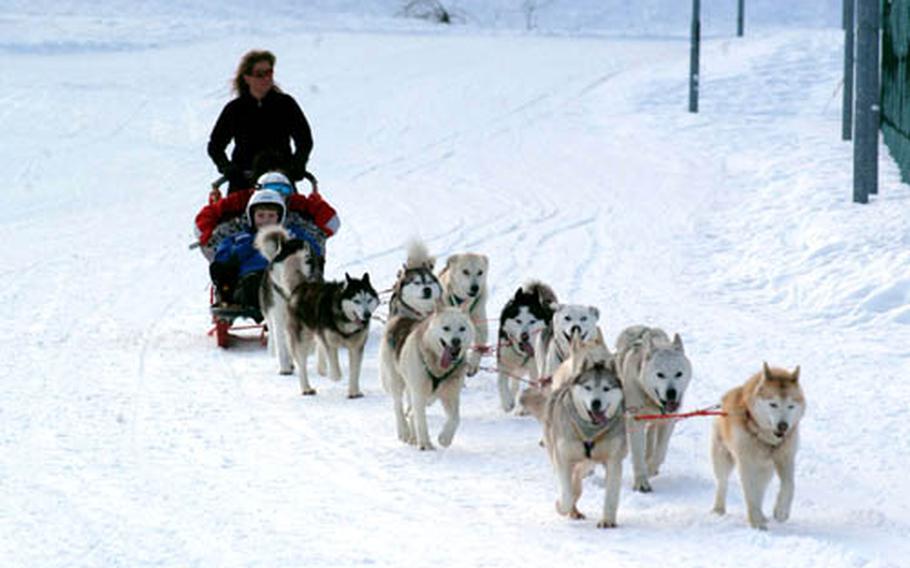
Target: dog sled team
(588,398)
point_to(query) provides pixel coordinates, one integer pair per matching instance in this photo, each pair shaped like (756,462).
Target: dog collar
(456,302)
(588,435)
(517,351)
(439,379)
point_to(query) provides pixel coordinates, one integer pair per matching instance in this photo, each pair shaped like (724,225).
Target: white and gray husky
(552,346)
(417,291)
(335,314)
(425,361)
(655,373)
(583,425)
(524,317)
(464,283)
(759,435)
(291,261)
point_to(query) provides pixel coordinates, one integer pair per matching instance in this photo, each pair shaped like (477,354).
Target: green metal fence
(896,81)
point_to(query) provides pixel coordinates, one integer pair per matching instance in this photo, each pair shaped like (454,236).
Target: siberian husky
(291,261)
(582,354)
(552,347)
(655,373)
(525,316)
(417,291)
(759,435)
(464,282)
(426,360)
(583,425)
(336,314)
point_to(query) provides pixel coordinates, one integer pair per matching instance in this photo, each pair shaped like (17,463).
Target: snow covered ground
(128,439)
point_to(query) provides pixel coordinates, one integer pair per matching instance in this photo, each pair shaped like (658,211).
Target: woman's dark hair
(247,62)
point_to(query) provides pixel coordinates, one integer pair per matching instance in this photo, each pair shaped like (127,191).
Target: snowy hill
(565,154)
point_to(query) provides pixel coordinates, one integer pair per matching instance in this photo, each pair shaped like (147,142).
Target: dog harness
(455,301)
(588,432)
(518,351)
(439,379)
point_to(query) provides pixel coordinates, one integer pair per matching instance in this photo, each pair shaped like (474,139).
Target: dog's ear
(429,263)
(677,343)
(347,280)
(486,262)
(366,278)
(765,371)
(594,312)
(795,374)
(519,293)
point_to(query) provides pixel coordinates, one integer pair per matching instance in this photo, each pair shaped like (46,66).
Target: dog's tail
(534,401)
(419,256)
(270,240)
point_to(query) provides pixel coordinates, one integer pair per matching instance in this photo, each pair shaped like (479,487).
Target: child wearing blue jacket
(238,267)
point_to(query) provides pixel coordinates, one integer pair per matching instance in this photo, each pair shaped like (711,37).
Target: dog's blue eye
(587,388)
(791,407)
(678,374)
(584,318)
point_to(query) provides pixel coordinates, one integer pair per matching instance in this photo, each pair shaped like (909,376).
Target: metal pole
(849,24)
(868,111)
(693,56)
(740,19)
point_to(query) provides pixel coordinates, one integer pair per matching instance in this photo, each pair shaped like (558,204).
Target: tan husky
(583,425)
(464,284)
(759,435)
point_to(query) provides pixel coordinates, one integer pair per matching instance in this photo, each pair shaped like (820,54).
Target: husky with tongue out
(583,425)
(426,359)
(524,317)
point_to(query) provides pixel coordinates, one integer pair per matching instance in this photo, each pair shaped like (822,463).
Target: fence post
(695,41)
(740,17)
(868,101)
(849,26)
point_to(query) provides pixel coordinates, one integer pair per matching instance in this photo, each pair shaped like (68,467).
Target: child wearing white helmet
(238,267)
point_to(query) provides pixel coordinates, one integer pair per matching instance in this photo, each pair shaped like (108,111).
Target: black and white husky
(525,316)
(417,291)
(291,261)
(335,314)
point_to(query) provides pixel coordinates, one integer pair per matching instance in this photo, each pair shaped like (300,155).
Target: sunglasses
(262,73)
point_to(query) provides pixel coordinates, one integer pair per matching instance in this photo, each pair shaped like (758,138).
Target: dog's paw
(642,485)
(576,515)
(606,524)
(355,395)
(759,522)
(428,446)
(507,405)
(653,470)
(719,510)
(308,392)
(781,514)
(289,371)
(445,440)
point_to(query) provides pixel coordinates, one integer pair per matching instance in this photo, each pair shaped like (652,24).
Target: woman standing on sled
(260,120)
